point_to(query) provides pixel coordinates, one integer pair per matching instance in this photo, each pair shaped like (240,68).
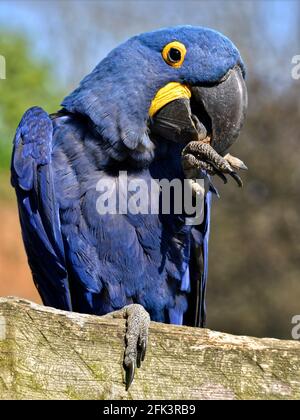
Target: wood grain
(51,354)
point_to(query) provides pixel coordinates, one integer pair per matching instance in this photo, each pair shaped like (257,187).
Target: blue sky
(272,35)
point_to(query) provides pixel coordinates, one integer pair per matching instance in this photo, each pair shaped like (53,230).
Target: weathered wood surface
(51,354)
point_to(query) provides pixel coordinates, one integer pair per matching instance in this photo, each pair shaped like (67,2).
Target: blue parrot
(163,105)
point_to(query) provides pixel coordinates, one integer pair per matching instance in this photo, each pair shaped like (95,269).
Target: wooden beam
(50,354)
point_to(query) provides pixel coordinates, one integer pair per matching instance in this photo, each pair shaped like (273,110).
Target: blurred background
(254,273)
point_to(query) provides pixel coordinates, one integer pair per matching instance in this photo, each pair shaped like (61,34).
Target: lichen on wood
(50,354)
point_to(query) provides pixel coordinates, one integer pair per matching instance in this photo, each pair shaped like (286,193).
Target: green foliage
(28,82)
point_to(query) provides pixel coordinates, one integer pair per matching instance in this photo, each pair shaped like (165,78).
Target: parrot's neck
(167,160)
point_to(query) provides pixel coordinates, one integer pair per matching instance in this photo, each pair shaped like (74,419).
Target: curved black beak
(225,104)
(207,123)
(217,111)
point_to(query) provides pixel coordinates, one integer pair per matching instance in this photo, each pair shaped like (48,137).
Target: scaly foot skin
(138,321)
(201,155)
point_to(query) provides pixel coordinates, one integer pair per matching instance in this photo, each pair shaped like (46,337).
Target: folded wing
(31,176)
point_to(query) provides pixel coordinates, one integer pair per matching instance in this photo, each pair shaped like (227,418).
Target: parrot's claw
(138,321)
(235,162)
(134,360)
(201,155)
(136,338)
(237,178)
(220,175)
(130,371)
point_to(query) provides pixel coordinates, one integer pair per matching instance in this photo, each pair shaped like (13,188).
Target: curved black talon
(144,348)
(237,178)
(141,353)
(136,339)
(221,175)
(138,360)
(205,157)
(130,371)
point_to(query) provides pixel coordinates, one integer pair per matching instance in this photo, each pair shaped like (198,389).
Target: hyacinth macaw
(163,104)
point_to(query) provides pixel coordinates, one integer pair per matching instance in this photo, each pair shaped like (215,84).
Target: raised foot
(201,155)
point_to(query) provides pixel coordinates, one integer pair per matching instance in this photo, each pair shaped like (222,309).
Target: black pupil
(174,55)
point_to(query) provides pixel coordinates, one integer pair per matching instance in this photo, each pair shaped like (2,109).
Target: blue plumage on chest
(126,257)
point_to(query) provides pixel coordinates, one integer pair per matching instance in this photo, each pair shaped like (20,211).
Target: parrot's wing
(198,269)
(31,176)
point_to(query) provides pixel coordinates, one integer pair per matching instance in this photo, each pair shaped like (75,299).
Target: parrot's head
(179,84)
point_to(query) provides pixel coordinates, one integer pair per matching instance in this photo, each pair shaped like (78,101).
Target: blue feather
(96,264)
(39,214)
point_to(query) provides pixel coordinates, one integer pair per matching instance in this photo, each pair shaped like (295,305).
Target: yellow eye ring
(174,54)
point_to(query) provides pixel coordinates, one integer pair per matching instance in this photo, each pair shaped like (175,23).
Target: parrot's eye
(174,53)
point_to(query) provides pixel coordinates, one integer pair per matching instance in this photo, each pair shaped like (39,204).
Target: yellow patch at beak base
(168,93)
